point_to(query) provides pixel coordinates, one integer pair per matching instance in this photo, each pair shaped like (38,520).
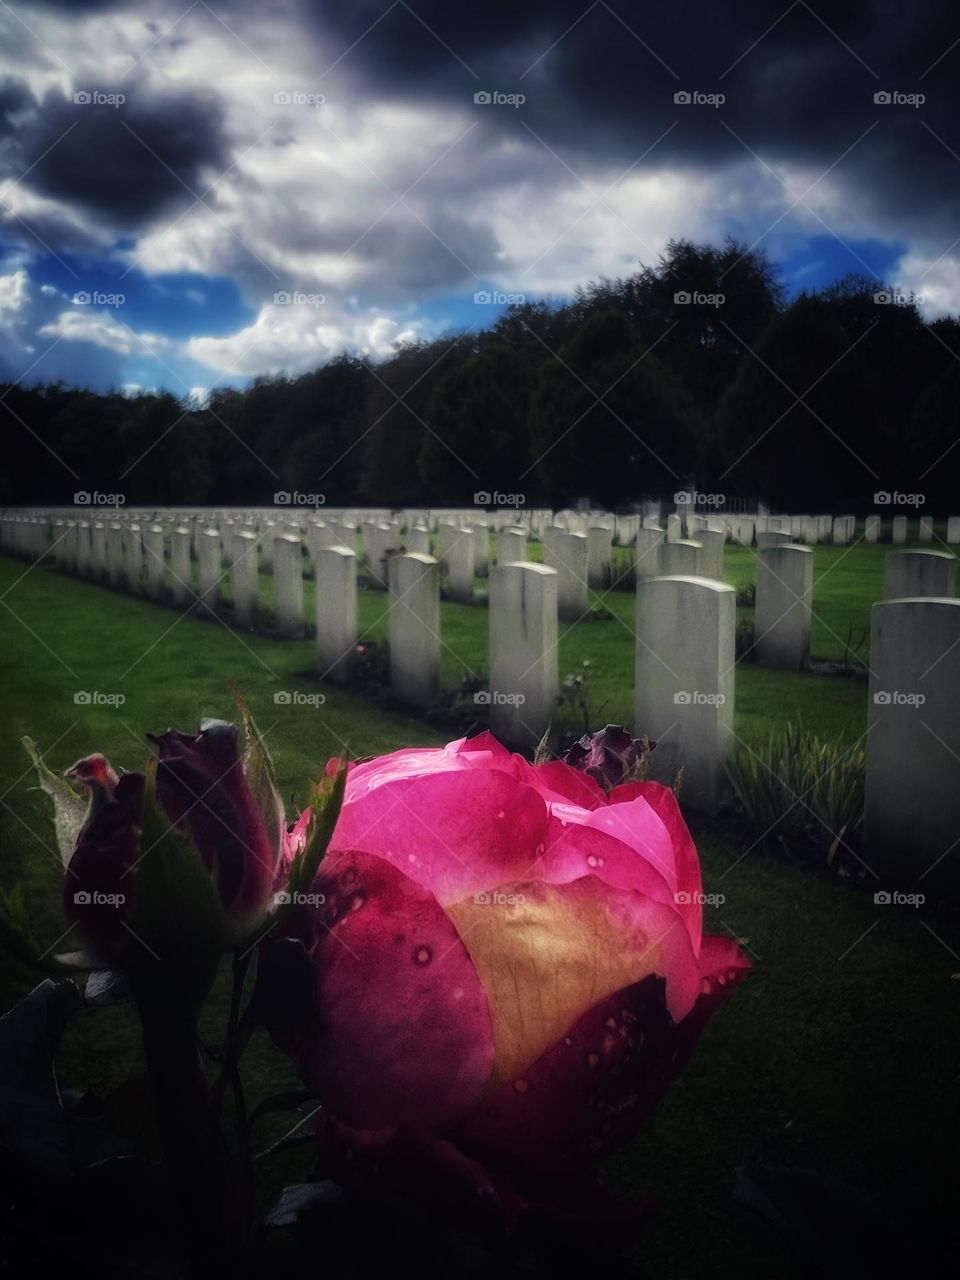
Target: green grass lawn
(839,1053)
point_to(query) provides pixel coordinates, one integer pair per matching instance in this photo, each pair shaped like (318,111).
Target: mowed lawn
(838,1054)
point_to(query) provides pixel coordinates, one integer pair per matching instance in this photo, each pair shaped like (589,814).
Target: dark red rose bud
(610,756)
(203,790)
(98,891)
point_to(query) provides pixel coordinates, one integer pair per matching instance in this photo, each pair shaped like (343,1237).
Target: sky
(195,194)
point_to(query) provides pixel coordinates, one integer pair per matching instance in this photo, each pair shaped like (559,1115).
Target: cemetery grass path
(838,1054)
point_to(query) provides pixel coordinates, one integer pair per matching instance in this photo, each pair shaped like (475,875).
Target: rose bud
(204,791)
(504,957)
(97,891)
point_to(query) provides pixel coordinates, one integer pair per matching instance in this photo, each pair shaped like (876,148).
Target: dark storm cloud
(129,161)
(799,81)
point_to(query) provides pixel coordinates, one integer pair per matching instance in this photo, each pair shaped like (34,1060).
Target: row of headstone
(685,651)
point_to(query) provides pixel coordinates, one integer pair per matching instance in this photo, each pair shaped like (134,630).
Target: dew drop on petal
(521,1086)
(423,955)
(592,1060)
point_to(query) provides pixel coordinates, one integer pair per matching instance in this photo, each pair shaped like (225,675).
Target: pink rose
(508,962)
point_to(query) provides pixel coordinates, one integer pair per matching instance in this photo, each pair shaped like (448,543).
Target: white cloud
(295,337)
(102,330)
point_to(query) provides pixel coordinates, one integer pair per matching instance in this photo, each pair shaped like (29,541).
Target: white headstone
(414,629)
(511,544)
(523,652)
(288,586)
(899,530)
(181,572)
(568,555)
(153,560)
(685,682)
(336,591)
(682,558)
(209,572)
(919,573)
(912,803)
(782,614)
(871,529)
(245,579)
(599,557)
(456,551)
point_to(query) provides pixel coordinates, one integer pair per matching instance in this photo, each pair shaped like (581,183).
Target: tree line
(697,370)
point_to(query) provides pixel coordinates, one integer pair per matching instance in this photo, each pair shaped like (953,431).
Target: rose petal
(547,953)
(454,831)
(592,1089)
(404,1034)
